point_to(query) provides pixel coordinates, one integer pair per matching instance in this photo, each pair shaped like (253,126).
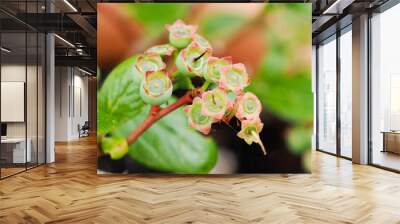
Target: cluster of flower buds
(222,94)
(225,100)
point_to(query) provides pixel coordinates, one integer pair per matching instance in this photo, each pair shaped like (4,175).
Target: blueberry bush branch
(220,98)
(156,113)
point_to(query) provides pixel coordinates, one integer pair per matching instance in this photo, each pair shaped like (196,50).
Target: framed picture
(202,88)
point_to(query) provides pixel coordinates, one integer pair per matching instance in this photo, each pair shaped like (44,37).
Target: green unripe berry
(115,146)
(156,88)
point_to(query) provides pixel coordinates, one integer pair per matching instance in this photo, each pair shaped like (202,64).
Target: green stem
(175,74)
(205,86)
(175,55)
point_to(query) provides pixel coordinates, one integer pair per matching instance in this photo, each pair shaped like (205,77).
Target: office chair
(84,130)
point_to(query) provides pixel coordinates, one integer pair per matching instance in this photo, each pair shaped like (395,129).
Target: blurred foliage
(220,26)
(299,139)
(283,82)
(288,97)
(154,16)
(121,110)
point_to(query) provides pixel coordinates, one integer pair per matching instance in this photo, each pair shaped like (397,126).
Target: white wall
(71,94)
(13,73)
(33,127)
(62,81)
(80,100)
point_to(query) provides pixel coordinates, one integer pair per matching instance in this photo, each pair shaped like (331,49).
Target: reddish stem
(156,113)
(155,109)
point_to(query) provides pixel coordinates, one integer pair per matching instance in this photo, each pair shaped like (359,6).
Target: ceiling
(76,22)
(331,15)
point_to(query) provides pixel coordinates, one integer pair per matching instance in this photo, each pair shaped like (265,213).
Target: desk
(391,141)
(15,148)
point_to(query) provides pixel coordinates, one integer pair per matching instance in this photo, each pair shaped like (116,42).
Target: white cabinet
(19,155)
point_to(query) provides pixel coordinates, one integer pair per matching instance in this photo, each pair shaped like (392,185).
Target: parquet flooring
(70,191)
(10,171)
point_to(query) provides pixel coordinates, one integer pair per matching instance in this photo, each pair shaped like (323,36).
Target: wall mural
(204,88)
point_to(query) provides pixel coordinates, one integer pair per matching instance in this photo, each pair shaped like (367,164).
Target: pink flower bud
(193,60)
(196,118)
(233,77)
(156,88)
(215,103)
(250,132)
(149,62)
(180,34)
(248,106)
(202,42)
(165,49)
(213,69)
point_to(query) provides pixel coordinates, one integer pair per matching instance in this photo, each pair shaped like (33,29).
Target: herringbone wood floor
(69,191)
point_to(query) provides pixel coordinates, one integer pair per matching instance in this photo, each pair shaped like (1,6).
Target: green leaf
(119,99)
(299,139)
(171,146)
